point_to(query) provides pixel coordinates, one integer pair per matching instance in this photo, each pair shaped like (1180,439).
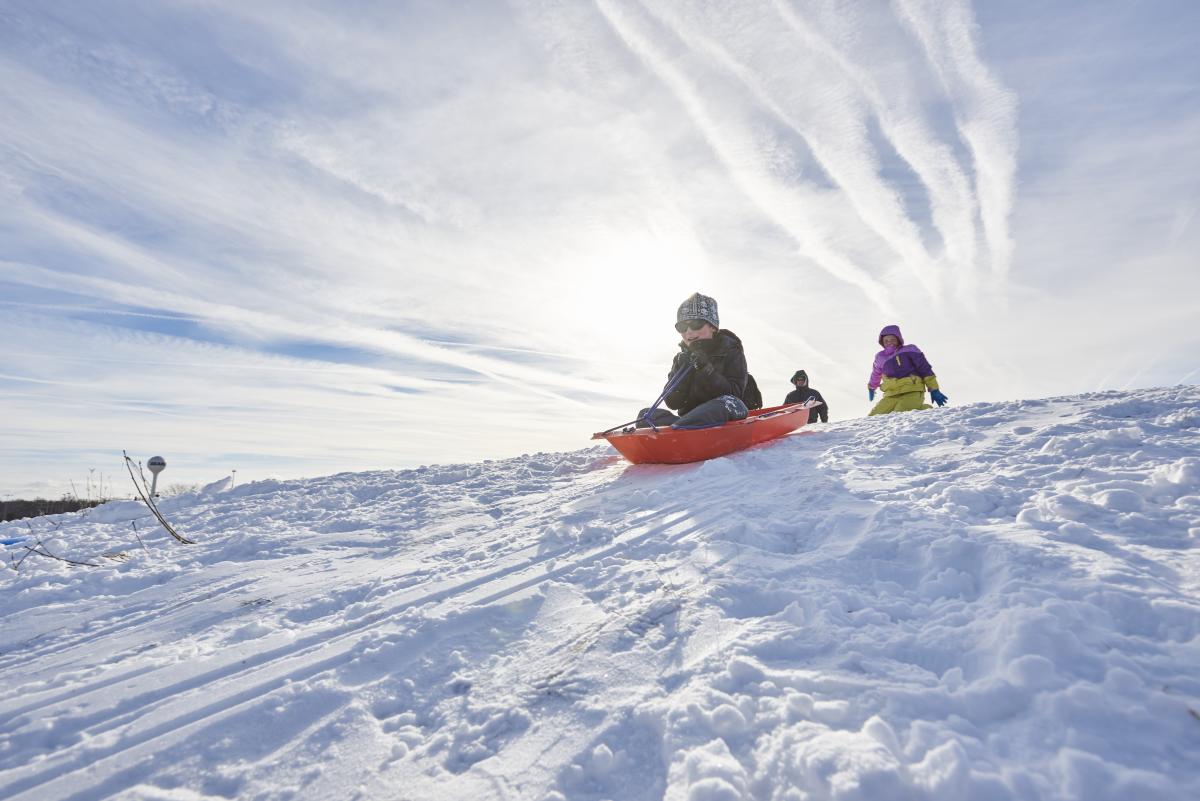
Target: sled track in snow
(151,611)
(259,674)
(30,651)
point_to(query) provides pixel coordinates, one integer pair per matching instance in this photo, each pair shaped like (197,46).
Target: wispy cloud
(893,97)
(791,207)
(779,76)
(985,112)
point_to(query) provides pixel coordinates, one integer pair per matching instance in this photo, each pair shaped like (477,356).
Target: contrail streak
(737,151)
(985,113)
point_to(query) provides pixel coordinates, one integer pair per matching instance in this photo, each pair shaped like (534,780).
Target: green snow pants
(908,402)
(902,395)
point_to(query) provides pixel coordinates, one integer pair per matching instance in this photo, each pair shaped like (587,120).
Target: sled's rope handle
(672,382)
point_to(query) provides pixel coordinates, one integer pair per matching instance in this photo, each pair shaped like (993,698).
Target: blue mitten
(937,397)
(870,394)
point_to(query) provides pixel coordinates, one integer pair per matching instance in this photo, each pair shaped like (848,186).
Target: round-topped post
(157,464)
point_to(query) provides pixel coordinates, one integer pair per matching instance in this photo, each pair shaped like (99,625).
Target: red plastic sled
(678,446)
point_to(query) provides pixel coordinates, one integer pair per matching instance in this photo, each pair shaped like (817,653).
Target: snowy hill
(991,602)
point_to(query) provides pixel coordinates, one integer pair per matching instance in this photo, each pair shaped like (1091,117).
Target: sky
(293,239)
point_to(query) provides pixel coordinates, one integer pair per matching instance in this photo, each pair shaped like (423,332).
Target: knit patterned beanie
(698,307)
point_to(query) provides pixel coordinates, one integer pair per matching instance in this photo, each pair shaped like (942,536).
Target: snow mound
(989,602)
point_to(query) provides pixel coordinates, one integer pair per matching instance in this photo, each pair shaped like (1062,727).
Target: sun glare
(635,282)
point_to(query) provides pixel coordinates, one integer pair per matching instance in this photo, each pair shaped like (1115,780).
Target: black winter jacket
(802,394)
(724,372)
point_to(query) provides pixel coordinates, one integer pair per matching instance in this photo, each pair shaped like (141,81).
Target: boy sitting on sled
(708,383)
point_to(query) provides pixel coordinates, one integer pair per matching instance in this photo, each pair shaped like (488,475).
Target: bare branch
(41,550)
(17,566)
(21,561)
(144,492)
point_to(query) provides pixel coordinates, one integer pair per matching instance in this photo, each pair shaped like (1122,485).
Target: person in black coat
(710,370)
(803,392)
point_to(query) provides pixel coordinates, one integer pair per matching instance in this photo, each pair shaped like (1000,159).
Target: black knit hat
(698,307)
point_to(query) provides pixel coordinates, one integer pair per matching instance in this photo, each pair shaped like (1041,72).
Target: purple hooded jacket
(898,362)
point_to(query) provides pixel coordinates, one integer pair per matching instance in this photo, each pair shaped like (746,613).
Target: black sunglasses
(694,325)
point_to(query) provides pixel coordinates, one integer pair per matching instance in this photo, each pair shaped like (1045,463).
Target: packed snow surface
(991,602)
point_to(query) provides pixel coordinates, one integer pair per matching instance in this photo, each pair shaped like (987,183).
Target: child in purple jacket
(904,374)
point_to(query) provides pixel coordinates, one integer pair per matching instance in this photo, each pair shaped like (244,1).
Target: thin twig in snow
(41,550)
(139,539)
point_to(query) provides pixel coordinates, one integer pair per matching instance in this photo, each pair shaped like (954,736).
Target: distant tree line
(18,509)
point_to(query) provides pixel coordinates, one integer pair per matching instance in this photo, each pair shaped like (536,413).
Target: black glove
(680,362)
(700,362)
